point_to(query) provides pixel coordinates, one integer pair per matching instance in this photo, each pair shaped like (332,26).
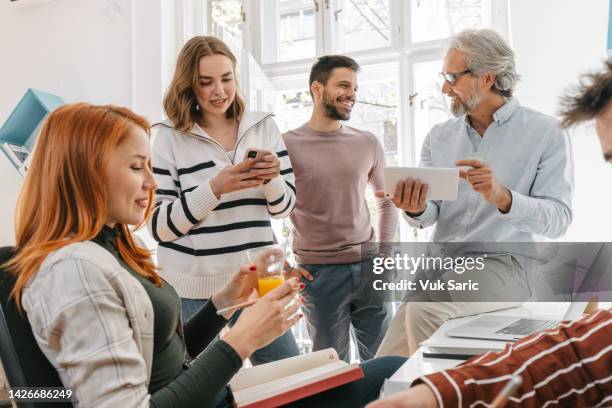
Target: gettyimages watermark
(489,272)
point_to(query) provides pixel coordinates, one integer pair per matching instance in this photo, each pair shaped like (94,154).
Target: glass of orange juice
(270,261)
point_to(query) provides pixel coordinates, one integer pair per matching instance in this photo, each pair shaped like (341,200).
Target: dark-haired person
(333,164)
(565,366)
(98,308)
(517,171)
(592,100)
(213,203)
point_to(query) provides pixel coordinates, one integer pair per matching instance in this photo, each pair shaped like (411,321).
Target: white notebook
(284,381)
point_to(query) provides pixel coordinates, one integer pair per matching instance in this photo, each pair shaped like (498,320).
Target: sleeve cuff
(231,354)
(274,189)
(202,200)
(421,220)
(210,311)
(518,209)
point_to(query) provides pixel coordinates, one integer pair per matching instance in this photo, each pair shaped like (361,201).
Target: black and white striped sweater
(203,240)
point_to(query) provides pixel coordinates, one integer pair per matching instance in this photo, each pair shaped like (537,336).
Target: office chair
(24,363)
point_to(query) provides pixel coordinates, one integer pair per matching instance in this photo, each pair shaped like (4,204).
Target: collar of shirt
(501,115)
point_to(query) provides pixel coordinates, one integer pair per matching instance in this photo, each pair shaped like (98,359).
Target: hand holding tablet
(411,187)
(442,183)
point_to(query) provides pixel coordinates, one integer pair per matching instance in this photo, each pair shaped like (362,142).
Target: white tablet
(443,182)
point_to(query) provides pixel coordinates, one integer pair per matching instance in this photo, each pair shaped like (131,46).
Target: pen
(509,389)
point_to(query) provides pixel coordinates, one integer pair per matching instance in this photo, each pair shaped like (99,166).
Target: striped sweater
(203,240)
(569,366)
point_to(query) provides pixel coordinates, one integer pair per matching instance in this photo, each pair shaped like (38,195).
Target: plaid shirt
(94,322)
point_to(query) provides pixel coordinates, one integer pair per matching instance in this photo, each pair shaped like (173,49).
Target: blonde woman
(213,202)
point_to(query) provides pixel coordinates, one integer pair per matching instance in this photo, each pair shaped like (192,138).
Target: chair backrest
(24,363)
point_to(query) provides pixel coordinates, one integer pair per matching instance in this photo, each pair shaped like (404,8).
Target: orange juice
(268,283)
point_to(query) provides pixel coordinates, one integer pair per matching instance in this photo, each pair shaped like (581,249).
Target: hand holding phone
(266,164)
(234,178)
(257,154)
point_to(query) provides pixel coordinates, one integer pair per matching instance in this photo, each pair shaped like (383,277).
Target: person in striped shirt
(213,202)
(570,365)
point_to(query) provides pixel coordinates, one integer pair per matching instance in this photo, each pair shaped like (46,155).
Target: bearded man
(333,164)
(517,171)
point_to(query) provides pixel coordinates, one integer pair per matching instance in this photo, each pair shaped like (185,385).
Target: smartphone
(257,154)
(435,352)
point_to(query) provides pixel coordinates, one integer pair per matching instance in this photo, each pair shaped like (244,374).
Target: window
(296,30)
(437,19)
(288,31)
(226,17)
(293,107)
(377,104)
(361,25)
(430,106)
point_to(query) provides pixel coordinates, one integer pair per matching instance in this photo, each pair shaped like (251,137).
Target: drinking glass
(270,261)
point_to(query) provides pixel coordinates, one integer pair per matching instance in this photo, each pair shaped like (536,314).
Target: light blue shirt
(528,153)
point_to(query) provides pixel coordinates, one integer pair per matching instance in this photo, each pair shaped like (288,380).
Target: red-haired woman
(98,308)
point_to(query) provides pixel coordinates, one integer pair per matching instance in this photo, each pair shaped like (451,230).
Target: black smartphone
(257,154)
(434,352)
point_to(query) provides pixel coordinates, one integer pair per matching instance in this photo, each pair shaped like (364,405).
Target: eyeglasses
(451,78)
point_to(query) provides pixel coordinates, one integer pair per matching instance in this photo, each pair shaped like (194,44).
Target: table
(417,365)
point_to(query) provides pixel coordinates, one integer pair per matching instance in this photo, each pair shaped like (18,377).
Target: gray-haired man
(517,183)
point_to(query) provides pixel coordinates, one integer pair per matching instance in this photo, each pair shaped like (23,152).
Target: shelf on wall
(19,133)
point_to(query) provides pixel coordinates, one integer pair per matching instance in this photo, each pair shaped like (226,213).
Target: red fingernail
(302,285)
(252,268)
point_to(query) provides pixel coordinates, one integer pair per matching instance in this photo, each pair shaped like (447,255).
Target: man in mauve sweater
(333,163)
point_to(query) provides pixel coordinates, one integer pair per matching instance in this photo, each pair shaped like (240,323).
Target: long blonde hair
(180,104)
(63,199)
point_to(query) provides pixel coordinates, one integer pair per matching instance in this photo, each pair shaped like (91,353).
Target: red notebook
(281,382)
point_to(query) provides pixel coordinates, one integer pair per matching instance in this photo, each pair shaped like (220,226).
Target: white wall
(98,51)
(555,41)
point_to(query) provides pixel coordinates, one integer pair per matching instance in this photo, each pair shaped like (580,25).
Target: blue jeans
(341,299)
(355,394)
(283,347)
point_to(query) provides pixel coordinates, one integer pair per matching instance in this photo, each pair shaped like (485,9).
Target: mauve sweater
(331,218)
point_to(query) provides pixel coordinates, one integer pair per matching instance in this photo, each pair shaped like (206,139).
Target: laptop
(512,328)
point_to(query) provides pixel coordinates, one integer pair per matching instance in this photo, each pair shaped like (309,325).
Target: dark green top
(172,383)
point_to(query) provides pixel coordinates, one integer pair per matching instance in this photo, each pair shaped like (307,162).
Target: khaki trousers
(416,321)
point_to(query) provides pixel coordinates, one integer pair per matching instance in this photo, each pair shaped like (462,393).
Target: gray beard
(468,106)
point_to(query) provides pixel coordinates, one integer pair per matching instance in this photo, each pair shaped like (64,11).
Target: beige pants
(416,321)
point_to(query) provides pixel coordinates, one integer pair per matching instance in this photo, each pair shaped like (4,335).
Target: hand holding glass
(269,261)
